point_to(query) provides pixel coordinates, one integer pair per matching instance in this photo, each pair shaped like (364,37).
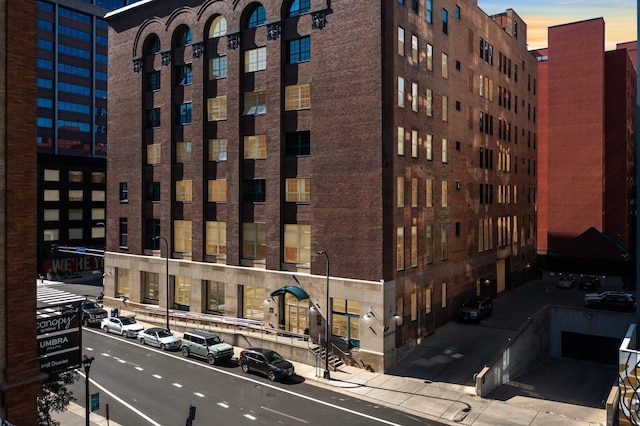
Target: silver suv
(206,345)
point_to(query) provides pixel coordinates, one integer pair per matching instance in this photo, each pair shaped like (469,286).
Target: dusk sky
(620,17)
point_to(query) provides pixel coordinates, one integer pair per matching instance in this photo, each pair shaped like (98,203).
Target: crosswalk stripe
(53,296)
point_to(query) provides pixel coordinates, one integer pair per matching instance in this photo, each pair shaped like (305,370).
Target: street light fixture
(86,362)
(327,375)
(166,243)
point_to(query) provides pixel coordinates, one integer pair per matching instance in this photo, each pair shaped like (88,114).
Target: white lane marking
(198,394)
(139,368)
(178,385)
(123,402)
(223,404)
(249,379)
(122,361)
(250,417)
(285,415)
(157,376)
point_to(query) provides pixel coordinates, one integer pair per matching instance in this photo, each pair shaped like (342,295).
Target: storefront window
(215,297)
(151,285)
(253,303)
(182,295)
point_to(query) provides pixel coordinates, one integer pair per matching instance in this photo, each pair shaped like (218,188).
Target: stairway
(334,362)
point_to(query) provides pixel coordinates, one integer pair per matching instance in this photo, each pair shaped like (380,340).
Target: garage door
(588,347)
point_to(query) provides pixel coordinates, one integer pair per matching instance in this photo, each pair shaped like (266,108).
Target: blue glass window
(153,117)
(101,40)
(45,103)
(414,5)
(45,25)
(43,5)
(44,83)
(184,37)
(299,7)
(73,107)
(218,67)
(74,32)
(44,122)
(45,44)
(153,81)
(300,50)
(185,113)
(74,51)
(429,11)
(74,88)
(152,46)
(258,17)
(45,64)
(184,75)
(457,12)
(445,21)
(74,15)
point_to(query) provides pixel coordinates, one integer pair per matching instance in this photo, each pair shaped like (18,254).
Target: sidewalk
(444,402)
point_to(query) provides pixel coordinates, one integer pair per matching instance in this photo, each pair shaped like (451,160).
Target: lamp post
(86,362)
(166,243)
(327,375)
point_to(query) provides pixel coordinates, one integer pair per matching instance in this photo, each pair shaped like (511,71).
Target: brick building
(398,139)
(587,137)
(20,377)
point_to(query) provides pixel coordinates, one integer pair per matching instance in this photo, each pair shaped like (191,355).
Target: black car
(475,309)
(611,300)
(265,361)
(589,283)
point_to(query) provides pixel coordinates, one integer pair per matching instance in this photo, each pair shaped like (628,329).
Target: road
(145,386)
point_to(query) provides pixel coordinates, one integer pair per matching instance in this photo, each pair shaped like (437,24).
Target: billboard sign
(59,337)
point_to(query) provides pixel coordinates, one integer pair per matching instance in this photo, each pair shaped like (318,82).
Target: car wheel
(85,322)
(185,351)
(163,347)
(106,329)
(124,333)
(142,341)
(211,359)
(245,367)
(271,376)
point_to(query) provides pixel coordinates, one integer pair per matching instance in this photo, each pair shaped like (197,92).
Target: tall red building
(586,129)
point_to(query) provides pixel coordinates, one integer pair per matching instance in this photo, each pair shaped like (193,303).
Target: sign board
(59,337)
(95,401)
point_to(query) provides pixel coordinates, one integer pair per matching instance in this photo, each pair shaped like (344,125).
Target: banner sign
(59,337)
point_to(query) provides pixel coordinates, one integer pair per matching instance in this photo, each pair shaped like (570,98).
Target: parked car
(611,300)
(567,281)
(92,313)
(589,283)
(476,309)
(206,345)
(160,338)
(125,326)
(267,362)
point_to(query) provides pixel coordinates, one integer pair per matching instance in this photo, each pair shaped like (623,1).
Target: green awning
(298,292)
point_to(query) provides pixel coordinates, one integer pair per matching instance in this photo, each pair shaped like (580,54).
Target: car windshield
(164,333)
(91,305)
(273,356)
(128,320)
(473,303)
(213,341)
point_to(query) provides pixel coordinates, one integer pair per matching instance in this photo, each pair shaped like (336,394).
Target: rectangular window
(429,56)
(253,302)
(254,241)
(153,118)
(255,102)
(400,191)
(217,67)
(445,21)
(444,295)
(75,176)
(183,152)
(75,214)
(75,233)
(444,249)
(182,236)
(182,290)
(445,150)
(427,300)
(400,41)
(183,190)
(51,215)
(254,191)
(429,11)
(444,194)
(154,153)
(151,282)
(98,195)
(445,65)
(300,50)
(400,140)
(297,243)
(51,235)
(445,108)
(151,231)
(429,101)
(184,75)
(414,97)
(297,96)
(255,59)
(153,81)
(399,311)
(414,306)
(255,147)
(124,232)
(75,195)
(184,113)
(414,49)
(217,108)
(217,191)
(414,143)
(298,190)
(414,192)
(215,297)
(153,191)
(414,246)
(457,12)
(122,281)
(428,253)
(401,92)
(429,143)
(124,192)
(98,213)
(298,143)
(216,238)
(217,149)
(51,175)
(98,177)
(400,248)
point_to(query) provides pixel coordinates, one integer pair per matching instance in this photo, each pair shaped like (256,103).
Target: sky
(620,17)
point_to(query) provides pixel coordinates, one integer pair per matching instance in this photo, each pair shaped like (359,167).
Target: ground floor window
(215,297)
(122,281)
(182,295)
(253,303)
(151,281)
(345,320)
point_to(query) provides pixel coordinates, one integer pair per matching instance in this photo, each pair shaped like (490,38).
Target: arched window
(152,45)
(258,17)
(299,7)
(218,27)
(183,36)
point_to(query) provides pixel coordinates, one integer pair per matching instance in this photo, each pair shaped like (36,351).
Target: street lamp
(86,362)
(327,375)
(167,276)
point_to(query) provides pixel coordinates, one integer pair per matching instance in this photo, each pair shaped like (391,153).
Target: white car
(124,326)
